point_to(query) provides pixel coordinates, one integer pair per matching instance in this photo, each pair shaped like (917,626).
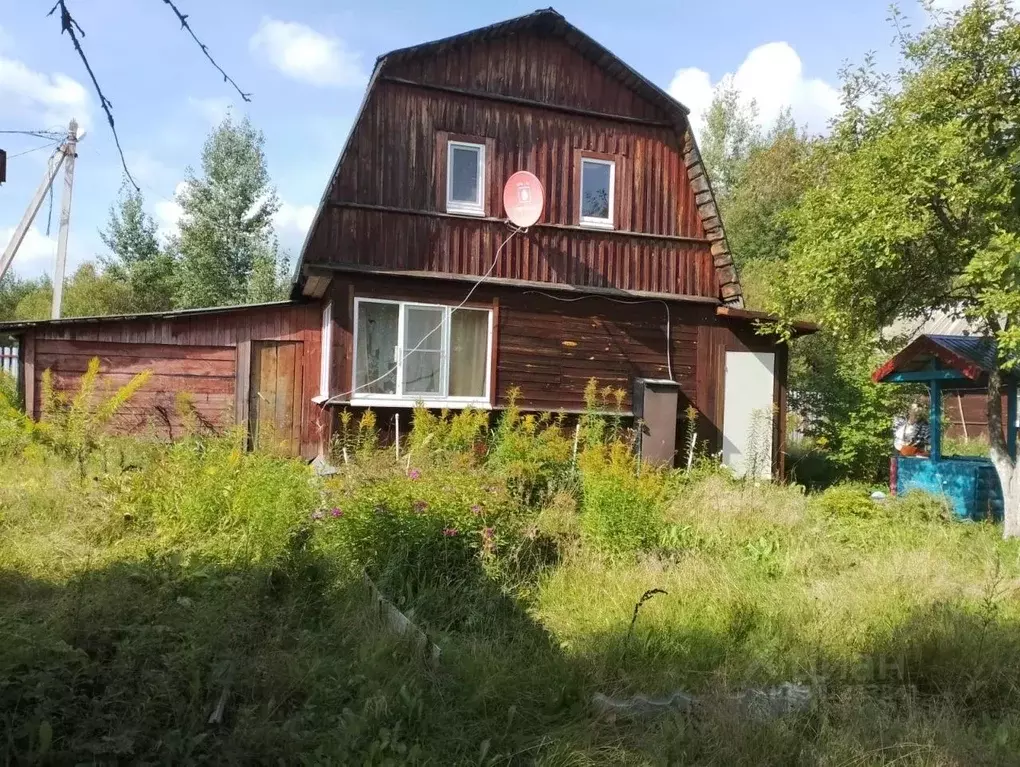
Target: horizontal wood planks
(194,356)
(550,348)
(399,241)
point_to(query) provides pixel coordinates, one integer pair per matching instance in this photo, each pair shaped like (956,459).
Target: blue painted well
(970,484)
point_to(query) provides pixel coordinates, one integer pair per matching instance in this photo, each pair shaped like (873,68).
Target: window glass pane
(423,345)
(469,353)
(595,189)
(377,342)
(463,174)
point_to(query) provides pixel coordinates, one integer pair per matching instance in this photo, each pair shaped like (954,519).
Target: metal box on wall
(655,418)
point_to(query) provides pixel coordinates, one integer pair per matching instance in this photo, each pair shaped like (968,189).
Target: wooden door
(274,400)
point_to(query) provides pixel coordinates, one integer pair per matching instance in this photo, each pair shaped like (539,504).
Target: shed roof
(971,356)
(550,22)
(15,325)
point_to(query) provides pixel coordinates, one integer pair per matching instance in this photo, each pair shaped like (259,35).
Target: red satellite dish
(523,198)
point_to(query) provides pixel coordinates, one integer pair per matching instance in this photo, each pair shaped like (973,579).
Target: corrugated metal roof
(981,350)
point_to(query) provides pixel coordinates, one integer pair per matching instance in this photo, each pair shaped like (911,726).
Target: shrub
(621,501)
(209,495)
(532,452)
(73,426)
(849,500)
(355,441)
(440,433)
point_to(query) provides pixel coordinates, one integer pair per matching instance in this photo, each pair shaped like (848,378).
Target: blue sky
(306,63)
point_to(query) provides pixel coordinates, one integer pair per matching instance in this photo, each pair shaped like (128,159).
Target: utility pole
(70,148)
(65,153)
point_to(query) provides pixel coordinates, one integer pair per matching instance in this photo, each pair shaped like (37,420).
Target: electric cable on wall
(405,354)
(669,321)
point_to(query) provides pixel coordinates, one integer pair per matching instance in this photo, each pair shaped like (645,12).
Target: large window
(597,178)
(405,352)
(465,178)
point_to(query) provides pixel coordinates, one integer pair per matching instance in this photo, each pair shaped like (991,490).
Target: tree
(917,201)
(772,177)
(731,132)
(87,293)
(13,290)
(270,277)
(136,256)
(227,218)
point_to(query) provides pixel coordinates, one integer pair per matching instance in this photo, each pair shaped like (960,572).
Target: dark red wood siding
(204,356)
(386,207)
(550,348)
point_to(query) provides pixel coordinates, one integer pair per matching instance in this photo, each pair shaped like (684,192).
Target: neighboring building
(415,287)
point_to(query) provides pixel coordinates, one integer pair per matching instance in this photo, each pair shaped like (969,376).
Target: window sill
(455,403)
(477,212)
(604,225)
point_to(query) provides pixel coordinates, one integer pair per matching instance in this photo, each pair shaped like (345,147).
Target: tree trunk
(1005,465)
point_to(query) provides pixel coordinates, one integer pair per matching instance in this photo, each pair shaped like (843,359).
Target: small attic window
(597,178)
(465,174)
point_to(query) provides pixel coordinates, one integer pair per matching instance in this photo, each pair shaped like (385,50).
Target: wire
(33,149)
(669,320)
(48,134)
(405,355)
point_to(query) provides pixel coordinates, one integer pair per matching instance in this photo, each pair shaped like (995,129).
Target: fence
(9,357)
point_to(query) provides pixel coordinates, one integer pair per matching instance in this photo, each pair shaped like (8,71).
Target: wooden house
(413,286)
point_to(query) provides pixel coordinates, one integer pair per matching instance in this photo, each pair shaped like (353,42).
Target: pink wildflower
(450,532)
(337,512)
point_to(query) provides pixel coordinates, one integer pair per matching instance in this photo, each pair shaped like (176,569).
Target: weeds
(196,581)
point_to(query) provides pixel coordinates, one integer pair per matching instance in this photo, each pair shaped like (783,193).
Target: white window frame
(471,208)
(326,350)
(595,221)
(400,399)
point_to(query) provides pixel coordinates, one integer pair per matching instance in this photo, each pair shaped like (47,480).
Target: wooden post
(71,151)
(28,373)
(935,419)
(1011,426)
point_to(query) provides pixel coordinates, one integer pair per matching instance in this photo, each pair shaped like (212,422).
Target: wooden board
(274,403)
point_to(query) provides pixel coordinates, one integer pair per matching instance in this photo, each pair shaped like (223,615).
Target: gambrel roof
(549,23)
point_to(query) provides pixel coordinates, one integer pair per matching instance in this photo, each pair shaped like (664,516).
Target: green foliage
(914,206)
(532,452)
(74,426)
(210,497)
(136,257)
(849,416)
(435,434)
(13,290)
(731,133)
(355,440)
(88,292)
(226,229)
(621,501)
(772,178)
(849,500)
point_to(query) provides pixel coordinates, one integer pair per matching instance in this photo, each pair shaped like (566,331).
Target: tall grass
(198,603)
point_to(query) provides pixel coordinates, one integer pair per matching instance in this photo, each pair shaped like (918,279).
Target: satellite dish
(523,198)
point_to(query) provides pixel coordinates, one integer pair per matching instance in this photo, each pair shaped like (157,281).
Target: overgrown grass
(181,584)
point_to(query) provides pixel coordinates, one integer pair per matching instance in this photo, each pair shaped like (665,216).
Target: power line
(33,149)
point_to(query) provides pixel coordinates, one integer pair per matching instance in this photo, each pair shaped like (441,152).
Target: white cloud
(168,213)
(213,110)
(294,219)
(37,254)
(301,53)
(50,100)
(772,75)
(950,5)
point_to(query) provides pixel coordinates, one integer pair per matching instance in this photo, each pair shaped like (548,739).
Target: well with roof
(946,363)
